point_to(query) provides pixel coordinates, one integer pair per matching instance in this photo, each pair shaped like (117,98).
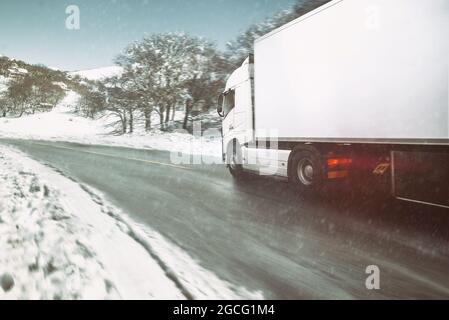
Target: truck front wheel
(306,170)
(234,159)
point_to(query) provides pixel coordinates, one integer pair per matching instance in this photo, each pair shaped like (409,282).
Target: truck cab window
(229,102)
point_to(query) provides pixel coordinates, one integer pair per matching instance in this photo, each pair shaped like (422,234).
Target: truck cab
(241,150)
(237,110)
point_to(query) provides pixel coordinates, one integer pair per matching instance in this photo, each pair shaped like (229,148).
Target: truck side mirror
(220,105)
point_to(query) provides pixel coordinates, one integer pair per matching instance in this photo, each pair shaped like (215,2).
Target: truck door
(228,113)
(243,111)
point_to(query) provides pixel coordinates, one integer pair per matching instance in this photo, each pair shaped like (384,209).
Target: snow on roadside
(60,245)
(63,240)
(62,124)
(198,282)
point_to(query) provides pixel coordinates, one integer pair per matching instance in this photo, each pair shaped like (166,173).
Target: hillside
(30,89)
(11,69)
(99,73)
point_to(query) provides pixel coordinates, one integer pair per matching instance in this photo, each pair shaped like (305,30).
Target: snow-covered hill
(39,86)
(9,69)
(99,73)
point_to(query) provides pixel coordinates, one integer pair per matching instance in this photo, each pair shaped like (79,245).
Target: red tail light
(339,162)
(337,167)
(337,174)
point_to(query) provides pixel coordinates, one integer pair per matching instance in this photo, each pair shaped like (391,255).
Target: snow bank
(62,240)
(62,124)
(60,245)
(195,281)
(59,123)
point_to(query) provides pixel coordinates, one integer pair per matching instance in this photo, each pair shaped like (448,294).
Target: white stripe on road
(117,157)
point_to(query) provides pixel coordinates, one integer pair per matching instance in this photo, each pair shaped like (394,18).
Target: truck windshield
(229,102)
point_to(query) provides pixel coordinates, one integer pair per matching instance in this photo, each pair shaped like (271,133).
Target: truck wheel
(306,170)
(235,159)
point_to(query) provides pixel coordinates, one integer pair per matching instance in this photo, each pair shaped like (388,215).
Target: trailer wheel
(234,162)
(306,170)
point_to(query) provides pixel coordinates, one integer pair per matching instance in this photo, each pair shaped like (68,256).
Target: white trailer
(355,86)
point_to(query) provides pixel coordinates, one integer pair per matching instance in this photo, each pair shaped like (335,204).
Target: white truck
(353,87)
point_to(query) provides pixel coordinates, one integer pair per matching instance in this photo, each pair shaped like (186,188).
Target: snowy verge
(194,281)
(56,246)
(62,240)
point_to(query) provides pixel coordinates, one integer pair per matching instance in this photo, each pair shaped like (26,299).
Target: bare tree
(168,70)
(121,102)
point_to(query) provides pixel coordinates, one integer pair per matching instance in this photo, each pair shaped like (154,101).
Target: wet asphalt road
(259,234)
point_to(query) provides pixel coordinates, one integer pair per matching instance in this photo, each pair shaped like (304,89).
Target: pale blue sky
(34,31)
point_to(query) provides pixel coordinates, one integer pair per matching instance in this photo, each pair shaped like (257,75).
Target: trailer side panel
(357,69)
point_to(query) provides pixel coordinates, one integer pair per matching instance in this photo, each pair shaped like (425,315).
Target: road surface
(259,234)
